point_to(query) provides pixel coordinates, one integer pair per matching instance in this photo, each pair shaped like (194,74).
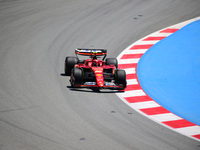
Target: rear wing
(91,52)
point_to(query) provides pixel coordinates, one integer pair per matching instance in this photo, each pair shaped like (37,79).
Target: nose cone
(99,76)
(100,84)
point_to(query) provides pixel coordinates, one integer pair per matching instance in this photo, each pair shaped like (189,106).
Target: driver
(94,57)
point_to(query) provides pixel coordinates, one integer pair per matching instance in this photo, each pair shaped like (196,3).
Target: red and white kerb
(134,95)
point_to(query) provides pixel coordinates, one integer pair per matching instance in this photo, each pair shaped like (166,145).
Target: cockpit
(94,64)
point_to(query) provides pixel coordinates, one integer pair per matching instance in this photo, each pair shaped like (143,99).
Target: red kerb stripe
(154,38)
(131,76)
(196,136)
(133,87)
(125,66)
(169,30)
(179,123)
(137,99)
(155,111)
(129,56)
(147,46)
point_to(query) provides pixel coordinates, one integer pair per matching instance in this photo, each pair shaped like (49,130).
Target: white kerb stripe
(130,71)
(128,61)
(132,93)
(164,117)
(148,42)
(138,51)
(194,130)
(142,105)
(160,34)
(132,81)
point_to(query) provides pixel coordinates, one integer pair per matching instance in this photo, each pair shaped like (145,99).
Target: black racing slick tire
(112,61)
(78,75)
(69,64)
(120,76)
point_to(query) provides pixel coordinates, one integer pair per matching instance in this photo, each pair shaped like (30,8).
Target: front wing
(107,85)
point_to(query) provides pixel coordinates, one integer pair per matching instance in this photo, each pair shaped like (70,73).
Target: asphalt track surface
(39,111)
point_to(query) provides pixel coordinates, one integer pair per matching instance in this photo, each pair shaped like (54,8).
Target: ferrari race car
(94,72)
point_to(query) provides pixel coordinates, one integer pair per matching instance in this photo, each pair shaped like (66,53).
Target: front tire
(76,76)
(120,77)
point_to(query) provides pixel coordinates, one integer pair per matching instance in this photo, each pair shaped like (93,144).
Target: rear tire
(69,64)
(112,61)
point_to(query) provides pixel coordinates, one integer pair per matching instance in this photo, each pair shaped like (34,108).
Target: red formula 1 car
(94,72)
